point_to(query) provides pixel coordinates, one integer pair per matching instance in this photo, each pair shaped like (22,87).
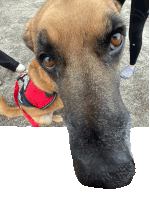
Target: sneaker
(20,68)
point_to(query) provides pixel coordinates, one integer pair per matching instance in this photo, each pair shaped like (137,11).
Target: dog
(42,84)
(84,40)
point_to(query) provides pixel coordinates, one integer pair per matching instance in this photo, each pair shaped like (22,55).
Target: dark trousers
(138,16)
(8,62)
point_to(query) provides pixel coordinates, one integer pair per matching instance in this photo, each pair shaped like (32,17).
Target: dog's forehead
(76,18)
(72,33)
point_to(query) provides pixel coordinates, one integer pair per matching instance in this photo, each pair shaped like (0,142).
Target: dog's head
(78,44)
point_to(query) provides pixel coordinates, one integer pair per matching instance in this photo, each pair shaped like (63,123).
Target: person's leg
(8,62)
(138,16)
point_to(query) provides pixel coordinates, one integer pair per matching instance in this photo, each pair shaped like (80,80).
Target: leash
(16,91)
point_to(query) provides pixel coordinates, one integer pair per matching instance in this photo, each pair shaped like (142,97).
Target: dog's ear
(27,37)
(119,4)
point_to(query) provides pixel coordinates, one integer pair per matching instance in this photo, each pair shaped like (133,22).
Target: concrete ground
(13,16)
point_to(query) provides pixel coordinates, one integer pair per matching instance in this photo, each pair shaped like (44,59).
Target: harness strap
(16,91)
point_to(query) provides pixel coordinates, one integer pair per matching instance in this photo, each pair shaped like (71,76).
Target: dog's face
(78,44)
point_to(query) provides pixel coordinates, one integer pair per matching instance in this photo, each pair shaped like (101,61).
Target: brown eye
(116,40)
(48,62)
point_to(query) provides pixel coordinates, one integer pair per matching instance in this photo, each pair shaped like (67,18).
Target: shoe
(20,68)
(127,73)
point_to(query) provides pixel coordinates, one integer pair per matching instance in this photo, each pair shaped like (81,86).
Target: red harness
(31,96)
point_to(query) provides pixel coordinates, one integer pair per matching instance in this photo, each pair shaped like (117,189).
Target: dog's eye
(48,62)
(116,40)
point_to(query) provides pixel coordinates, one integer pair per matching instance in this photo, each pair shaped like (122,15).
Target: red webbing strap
(16,91)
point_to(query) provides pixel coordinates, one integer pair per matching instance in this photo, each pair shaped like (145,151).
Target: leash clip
(22,76)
